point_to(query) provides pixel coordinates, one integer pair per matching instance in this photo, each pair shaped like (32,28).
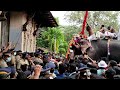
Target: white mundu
(110,34)
(92,37)
(107,33)
(100,34)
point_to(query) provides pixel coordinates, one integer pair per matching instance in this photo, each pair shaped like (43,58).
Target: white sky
(60,15)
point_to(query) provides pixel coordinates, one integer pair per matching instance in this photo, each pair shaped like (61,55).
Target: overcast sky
(60,15)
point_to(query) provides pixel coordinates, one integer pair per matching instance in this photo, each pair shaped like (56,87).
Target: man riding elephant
(103,33)
(97,48)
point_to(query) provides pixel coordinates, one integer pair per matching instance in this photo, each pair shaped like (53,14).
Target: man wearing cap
(6,63)
(22,61)
(5,73)
(102,68)
(6,60)
(61,69)
(3,63)
(18,57)
(38,58)
(84,72)
(13,59)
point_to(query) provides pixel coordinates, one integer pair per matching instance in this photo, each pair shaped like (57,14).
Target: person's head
(112,63)
(102,26)
(112,30)
(61,68)
(36,54)
(51,70)
(32,54)
(93,70)
(49,57)
(56,66)
(24,67)
(80,57)
(13,75)
(103,30)
(21,75)
(4,75)
(25,55)
(85,74)
(110,73)
(11,51)
(7,56)
(29,58)
(117,69)
(109,27)
(102,64)
(85,60)
(19,52)
(71,61)
(72,67)
(40,56)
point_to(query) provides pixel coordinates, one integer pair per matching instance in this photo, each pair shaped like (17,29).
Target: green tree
(42,39)
(63,47)
(52,38)
(69,31)
(95,18)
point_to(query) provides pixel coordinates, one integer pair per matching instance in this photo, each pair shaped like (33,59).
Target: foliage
(95,18)
(53,38)
(69,31)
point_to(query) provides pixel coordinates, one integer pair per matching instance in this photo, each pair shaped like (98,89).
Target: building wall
(0,37)
(17,19)
(29,41)
(24,40)
(5,32)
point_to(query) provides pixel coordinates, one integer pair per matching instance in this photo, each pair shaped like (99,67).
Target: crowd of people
(41,65)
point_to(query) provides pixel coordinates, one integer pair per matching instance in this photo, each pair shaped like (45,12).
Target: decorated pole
(84,25)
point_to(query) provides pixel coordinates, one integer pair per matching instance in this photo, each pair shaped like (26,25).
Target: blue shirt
(61,76)
(56,72)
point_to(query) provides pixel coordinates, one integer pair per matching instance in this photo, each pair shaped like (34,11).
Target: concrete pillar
(17,19)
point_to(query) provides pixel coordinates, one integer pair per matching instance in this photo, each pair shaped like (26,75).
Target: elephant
(99,48)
